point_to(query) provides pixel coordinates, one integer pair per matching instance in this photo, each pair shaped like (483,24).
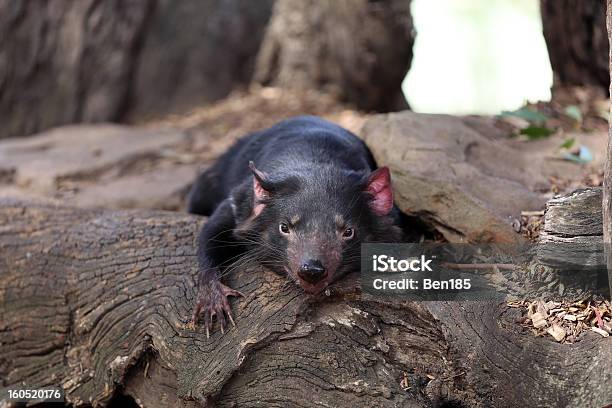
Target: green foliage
(574,112)
(537,123)
(536,132)
(527,114)
(568,143)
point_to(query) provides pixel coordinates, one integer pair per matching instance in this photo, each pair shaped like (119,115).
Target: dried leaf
(557,332)
(599,331)
(538,320)
(598,316)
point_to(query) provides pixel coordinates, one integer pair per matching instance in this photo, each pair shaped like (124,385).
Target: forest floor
(577,118)
(167,153)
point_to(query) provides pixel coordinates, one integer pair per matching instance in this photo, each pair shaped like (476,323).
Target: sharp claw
(207,324)
(227,291)
(210,304)
(228,310)
(196,313)
(229,314)
(221,318)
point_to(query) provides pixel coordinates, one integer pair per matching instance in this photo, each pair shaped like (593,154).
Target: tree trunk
(98,302)
(196,52)
(575,34)
(63,61)
(607,195)
(358,50)
(66,61)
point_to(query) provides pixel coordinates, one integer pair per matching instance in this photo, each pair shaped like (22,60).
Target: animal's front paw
(212,301)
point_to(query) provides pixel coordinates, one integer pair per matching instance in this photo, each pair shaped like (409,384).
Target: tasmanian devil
(299,198)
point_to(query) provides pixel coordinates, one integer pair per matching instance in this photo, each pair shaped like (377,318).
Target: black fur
(315,171)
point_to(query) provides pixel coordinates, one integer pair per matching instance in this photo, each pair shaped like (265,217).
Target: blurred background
(120,104)
(498,51)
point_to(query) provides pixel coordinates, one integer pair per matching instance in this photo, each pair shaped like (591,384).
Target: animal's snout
(312,271)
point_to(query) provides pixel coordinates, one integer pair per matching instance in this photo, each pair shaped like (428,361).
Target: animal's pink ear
(259,178)
(259,192)
(379,187)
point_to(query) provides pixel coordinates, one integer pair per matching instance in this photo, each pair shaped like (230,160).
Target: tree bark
(65,61)
(99,301)
(573,232)
(607,184)
(575,34)
(358,50)
(196,52)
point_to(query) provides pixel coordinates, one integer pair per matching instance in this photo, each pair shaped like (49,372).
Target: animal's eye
(348,233)
(283,228)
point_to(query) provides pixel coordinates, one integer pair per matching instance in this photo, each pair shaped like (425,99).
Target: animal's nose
(312,271)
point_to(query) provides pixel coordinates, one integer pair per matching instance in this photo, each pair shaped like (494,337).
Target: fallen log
(573,231)
(98,302)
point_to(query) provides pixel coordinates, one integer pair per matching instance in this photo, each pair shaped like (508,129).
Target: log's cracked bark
(607,194)
(98,302)
(572,235)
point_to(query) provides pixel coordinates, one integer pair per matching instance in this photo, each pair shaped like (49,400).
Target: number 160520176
(33,394)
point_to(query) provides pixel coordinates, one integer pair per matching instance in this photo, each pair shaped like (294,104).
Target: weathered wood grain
(573,231)
(98,302)
(575,216)
(607,197)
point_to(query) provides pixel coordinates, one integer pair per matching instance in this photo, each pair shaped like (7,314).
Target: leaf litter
(567,321)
